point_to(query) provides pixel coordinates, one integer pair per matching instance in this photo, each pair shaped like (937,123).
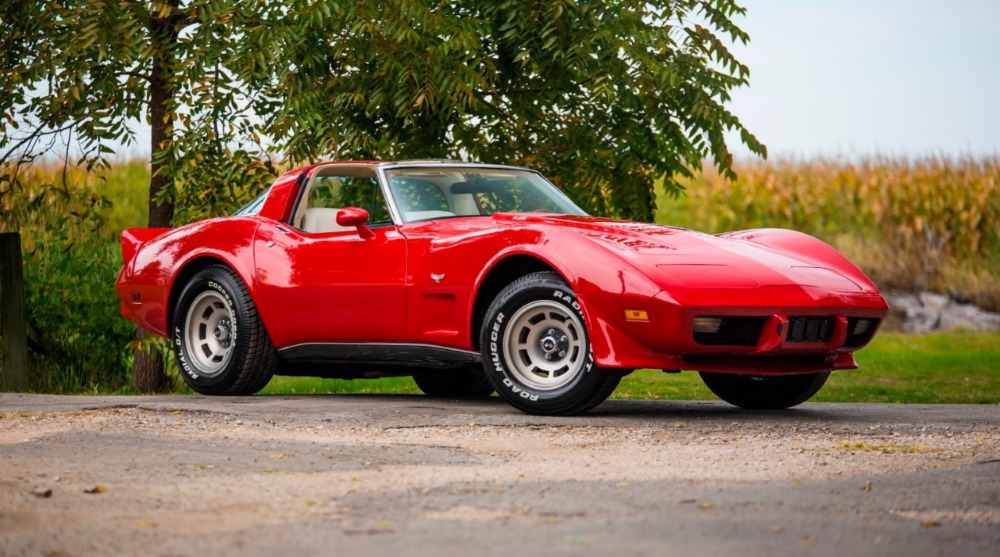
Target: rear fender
(133,239)
(149,279)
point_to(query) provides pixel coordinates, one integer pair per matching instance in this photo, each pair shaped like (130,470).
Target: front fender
(605,285)
(806,247)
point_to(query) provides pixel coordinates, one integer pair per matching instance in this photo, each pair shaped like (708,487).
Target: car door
(319,282)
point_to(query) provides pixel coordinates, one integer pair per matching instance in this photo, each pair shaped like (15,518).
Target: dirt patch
(217,477)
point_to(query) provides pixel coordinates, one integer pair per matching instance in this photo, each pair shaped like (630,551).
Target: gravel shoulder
(186,475)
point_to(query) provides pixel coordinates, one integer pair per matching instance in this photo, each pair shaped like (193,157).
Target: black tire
(221,345)
(536,351)
(458,383)
(755,392)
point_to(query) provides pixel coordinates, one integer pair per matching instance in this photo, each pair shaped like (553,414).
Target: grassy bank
(934,369)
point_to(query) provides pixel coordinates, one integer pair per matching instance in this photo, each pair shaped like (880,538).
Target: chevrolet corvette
(475,278)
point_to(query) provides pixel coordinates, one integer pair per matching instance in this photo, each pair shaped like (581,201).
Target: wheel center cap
(553,344)
(222,332)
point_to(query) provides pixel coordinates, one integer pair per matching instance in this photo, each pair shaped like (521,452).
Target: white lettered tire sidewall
(220,344)
(533,313)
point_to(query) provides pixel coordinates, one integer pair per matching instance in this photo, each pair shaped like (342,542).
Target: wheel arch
(605,340)
(503,272)
(190,269)
(246,364)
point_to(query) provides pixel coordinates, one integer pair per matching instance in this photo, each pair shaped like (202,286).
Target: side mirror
(356,217)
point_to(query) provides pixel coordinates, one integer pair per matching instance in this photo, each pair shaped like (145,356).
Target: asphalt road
(414,476)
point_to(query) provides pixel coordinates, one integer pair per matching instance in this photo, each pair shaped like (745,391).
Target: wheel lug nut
(562,353)
(563,338)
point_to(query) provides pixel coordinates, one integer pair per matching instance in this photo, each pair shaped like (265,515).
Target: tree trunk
(148,375)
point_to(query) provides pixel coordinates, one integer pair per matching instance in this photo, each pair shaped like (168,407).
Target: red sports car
(474,278)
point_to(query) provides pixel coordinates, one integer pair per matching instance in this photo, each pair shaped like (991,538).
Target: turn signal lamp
(636,315)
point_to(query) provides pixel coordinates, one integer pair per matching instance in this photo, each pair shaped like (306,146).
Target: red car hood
(678,256)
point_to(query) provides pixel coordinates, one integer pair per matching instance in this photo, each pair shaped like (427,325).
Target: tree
(605,97)
(79,75)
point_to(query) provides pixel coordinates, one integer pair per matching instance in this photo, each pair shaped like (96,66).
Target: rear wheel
(536,350)
(221,345)
(454,383)
(772,392)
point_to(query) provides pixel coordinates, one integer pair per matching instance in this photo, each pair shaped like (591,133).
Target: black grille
(810,329)
(855,339)
(733,331)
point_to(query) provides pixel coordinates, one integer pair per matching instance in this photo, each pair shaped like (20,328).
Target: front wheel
(536,351)
(772,392)
(221,345)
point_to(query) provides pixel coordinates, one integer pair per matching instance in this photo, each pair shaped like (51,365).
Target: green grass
(934,369)
(316,386)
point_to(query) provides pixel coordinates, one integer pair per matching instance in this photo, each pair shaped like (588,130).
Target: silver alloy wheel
(545,345)
(210,332)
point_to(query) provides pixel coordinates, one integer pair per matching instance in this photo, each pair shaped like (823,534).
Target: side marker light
(636,315)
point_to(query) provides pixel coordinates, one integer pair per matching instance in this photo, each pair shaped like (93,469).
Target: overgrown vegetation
(71,261)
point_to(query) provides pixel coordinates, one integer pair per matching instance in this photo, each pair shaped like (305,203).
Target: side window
(330,193)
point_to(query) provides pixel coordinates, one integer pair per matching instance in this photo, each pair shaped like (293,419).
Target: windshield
(440,192)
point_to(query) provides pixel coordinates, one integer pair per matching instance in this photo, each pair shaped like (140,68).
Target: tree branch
(129,73)
(39,132)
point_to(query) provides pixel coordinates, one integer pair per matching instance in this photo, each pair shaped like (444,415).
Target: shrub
(71,261)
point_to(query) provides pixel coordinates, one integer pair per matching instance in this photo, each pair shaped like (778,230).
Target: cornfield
(49,195)
(923,224)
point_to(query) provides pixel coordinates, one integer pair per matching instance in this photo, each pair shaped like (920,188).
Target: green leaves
(85,71)
(604,97)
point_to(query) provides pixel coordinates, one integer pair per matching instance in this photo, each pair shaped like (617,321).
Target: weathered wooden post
(13,332)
